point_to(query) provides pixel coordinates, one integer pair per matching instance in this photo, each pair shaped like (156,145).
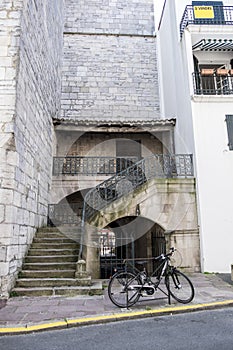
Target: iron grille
(213,84)
(160,166)
(223,15)
(91,165)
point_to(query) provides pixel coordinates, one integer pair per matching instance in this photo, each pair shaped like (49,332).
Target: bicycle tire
(179,286)
(118,293)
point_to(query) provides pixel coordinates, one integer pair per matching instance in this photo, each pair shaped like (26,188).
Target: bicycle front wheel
(180,286)
(124,289)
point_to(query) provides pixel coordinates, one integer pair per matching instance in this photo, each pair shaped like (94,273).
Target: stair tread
(94,285)
(46,271)
(46,264)
(50,265)
(54,249)
(48,244)
(47,279)
(51,256)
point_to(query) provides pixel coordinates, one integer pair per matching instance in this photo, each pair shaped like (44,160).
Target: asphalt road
(205,330)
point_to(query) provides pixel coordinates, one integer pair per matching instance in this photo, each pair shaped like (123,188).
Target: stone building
(80,120)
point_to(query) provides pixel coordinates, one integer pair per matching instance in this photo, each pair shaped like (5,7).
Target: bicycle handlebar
(164,256)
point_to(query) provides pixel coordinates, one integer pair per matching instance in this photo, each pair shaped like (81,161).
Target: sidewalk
(27,314)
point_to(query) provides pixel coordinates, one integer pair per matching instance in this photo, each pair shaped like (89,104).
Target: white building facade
(196,77)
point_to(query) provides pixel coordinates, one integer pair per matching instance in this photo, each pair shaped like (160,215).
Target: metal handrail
(223,15)
(159,165)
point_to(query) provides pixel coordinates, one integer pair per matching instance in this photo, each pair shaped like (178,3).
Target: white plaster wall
(174,69)
(201,130)
(214,166)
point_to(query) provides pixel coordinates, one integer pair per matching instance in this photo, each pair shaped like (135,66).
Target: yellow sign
(203,11)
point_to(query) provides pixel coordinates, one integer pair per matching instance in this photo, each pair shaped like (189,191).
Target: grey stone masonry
(110,63)
(30,71)
(109,77)
(110,17)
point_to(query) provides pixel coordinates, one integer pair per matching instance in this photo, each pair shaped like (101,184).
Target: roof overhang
(214,45)
(142,125)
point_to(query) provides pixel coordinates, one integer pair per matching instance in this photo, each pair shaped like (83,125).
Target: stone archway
(171,203)
(129,237)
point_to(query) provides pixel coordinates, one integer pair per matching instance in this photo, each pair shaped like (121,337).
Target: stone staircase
(49,267)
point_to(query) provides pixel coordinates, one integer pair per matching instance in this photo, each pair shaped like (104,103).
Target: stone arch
(171,204)
(129,237)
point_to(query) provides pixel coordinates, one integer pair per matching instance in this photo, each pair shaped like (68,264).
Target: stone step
(51,259)
(73,233)
(56,240)
(50,265)
(47,273)
(48,229)
(63,228)
(54,245)
(94,289)
(50,235)
(46,282)
(52,252)
(37,266)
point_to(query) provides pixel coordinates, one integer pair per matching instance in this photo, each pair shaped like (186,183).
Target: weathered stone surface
(110,17)
(31,50)
(112,76)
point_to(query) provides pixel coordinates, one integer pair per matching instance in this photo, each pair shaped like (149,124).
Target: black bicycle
(126,287)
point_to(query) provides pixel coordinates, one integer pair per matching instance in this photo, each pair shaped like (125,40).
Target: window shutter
(229,121)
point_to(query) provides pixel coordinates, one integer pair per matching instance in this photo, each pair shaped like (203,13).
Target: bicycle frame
(145,278)
(159,272)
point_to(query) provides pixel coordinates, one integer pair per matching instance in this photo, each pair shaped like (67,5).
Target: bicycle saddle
(141,262)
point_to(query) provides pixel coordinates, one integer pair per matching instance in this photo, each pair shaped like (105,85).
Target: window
(229,121)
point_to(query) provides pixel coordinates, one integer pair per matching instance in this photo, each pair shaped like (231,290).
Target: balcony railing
(91,165)
(210,82)
(223,15)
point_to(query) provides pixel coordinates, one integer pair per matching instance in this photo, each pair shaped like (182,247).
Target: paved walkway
(24,314)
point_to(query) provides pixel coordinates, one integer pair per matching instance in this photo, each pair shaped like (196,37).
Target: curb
(113,318)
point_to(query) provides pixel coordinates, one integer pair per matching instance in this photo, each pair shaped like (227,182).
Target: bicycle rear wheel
(180,286)
(124,289)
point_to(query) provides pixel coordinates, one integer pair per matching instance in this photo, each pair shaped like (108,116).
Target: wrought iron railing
(72,165)
(212,84)
(160,166)
(222,15)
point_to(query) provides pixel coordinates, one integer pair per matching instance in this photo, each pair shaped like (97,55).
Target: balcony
(171,165)
(213,82)
(219,15)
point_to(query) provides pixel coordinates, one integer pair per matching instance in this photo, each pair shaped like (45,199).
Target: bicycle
(126,287)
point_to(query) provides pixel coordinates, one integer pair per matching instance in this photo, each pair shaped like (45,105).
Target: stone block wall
(110,63)
(133,17)
(29,97)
